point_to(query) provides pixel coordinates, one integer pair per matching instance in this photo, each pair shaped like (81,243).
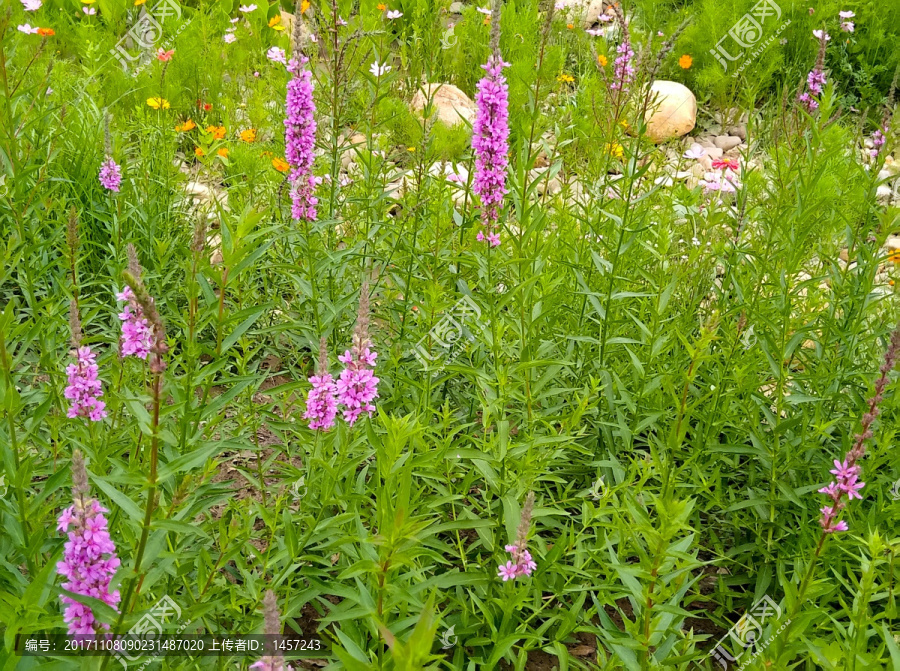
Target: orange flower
(894,256)
(274,22)
(218,132)
(601,59)
(186,126)
(304,6)
(223,152)
(46,32)
(487,20)
(685,61)
(381,6)
(280,165)
(570,26)
(248,135)
(198,152)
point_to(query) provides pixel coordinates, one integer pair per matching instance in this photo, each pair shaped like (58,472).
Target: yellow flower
(615,150)
(186,126)
(218,132)
(88,2)
(198,152)
(570,26)
(624,124)
(894,256)
(685,61)
(223,152)
(138,3)
(274,22)
(280,165)
(601,59)
(304,6)
(565,79)
(248,135)
(158,103)
(411,149)
(381,6)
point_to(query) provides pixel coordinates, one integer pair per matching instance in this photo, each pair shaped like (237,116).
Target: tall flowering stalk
(273,662)
(815,80)
(490,139)
(300,132)
(84,387)
(321,403)
(623,67)
(89,560)
(136,329)
(357,385)
(521,562)
(110,173)
(847,472)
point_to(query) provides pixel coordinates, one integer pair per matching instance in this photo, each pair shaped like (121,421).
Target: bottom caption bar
(134,646)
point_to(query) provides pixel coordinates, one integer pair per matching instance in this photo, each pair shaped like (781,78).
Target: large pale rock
(673,111)
(451,105)
(727,142)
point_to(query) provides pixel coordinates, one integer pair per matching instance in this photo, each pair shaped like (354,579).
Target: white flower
(246,9)
(846,15)
(394,14)
(32,5)
(696,152)
(235,20)
(229,38)
(847,26)
(90,11)
(484,10)
(313,38)
(276,55)
(379,70)
(341,21)
(27,29)
(818,35)
(594,33)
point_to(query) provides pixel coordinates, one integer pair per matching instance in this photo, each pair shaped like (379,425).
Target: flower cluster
(847,25)
(85,388)
(878,140)
(321,402)
(521,562)
(623,70)
(136,331)
(815,80)
(300,138)
(357,385)
(110,175)
(89,560)
(724,178)
(490,142)
(847,472)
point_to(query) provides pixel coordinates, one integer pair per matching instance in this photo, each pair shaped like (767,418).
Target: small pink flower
(394,14)
(90,11)
(508,571)
(27,29)
(163,55)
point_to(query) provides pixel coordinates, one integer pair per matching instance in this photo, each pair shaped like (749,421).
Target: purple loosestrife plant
(84,387)
(490,137)
(815,80)
(847,472)
(623,67)
(110,175)
(273,662)
(300,132)
(521,562)
(136,328)
(321,403)
(357,385)
(89,560)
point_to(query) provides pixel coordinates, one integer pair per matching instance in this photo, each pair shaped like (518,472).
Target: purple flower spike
(491,144)
(110,175)
(300,140)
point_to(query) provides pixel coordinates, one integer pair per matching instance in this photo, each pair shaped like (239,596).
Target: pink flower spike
(163,55)
(508,571)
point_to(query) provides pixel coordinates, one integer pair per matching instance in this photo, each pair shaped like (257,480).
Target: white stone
(673,111)
(451,105)
(726,142)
